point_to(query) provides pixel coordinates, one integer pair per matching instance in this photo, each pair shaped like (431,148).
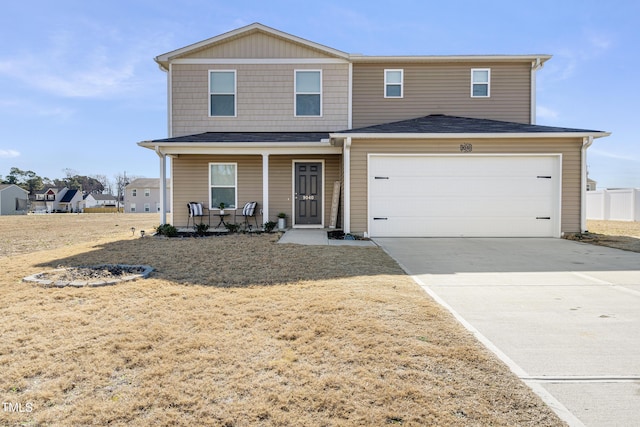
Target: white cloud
(546,113)
(75,64)
(9,154)
(25,106)
(612,155)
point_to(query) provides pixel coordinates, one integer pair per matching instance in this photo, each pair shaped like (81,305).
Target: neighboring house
(591,184)
(99,200)
(71,201)
(13,200)
(48,200)
(142,195)
(419,145)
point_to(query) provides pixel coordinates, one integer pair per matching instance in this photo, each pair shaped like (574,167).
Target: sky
(79,86)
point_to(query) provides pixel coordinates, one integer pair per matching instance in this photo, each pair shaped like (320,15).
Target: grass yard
(235,331)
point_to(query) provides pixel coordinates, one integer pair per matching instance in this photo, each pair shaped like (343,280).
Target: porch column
(163,186)
(265,187)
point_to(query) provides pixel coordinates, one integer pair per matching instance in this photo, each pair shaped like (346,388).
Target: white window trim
(295,92)
(132,207)
(235,164)
(488,83)
(147,192)
(147,207)
(387,83)
(235,92)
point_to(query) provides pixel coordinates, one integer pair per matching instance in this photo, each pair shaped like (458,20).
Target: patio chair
(195,209)
(249,211)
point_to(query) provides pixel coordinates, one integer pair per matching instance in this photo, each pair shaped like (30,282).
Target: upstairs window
(308,85)
(393,83)
(480,82)
(222,93)
(134,192)
(147,192)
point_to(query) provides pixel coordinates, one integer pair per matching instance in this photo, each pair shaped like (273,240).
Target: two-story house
(142,195)
(384,145)
(56,199)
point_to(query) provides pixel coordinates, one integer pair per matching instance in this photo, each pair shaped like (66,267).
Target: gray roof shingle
(253,137)
(439,123)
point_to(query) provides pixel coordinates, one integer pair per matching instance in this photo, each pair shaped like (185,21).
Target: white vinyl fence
(617,205)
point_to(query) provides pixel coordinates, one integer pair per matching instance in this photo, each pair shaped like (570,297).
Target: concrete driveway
(565,316)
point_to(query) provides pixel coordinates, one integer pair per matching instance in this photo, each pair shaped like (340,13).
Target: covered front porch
(296,174)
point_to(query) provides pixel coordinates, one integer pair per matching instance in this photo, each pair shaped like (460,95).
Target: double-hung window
(308,93)
(222,93)
(134,192)
(223,178)
(147,192)
(480,82)
(393,83)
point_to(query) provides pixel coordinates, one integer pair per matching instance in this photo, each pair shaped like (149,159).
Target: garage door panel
(479,196)
(412,186)
(469,208)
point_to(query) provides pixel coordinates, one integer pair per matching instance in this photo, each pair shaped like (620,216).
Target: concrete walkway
(318,236)
(563,315)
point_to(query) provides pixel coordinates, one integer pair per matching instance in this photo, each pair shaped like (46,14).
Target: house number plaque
(466,148)
(306,197)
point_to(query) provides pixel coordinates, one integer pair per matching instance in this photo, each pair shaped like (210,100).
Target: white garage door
(464,195)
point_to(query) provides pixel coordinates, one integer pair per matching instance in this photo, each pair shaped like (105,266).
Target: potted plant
(282,221)
(221,207)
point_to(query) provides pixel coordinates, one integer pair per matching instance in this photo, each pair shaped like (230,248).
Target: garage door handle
(381,177)
(379,218)
(543,217)
(544,176)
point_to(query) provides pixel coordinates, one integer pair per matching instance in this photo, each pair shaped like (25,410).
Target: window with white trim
(223,178)
(134,192)
(222,93)
(147,207)
(147,192)
(308,93)
(393,83)
(480,82)
(132,207)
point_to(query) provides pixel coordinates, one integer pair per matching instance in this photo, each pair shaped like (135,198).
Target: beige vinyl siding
(441,88)
(569,148)
(264,99)
(190,174)
(257,45)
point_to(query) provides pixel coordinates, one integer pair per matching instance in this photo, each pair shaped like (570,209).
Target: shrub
(166,230)
(269,226)
(201,229)
(233,228)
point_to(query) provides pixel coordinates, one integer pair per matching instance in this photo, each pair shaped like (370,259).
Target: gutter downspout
(535,66)
(346,165)
(586,143)
(163,185)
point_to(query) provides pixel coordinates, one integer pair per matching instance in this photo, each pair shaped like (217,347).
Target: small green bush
(166,230)
(269,226)
(201,229)
(233,228)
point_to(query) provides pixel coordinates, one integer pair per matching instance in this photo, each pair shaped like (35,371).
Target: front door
(308,193)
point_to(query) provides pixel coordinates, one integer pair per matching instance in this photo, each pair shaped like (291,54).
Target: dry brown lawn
(237,331)
(615,234)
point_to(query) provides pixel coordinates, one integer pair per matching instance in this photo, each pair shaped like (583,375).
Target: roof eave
(356,58)
(502,135)
(240,148)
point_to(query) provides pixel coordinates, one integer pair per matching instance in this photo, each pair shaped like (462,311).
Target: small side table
(222,219)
